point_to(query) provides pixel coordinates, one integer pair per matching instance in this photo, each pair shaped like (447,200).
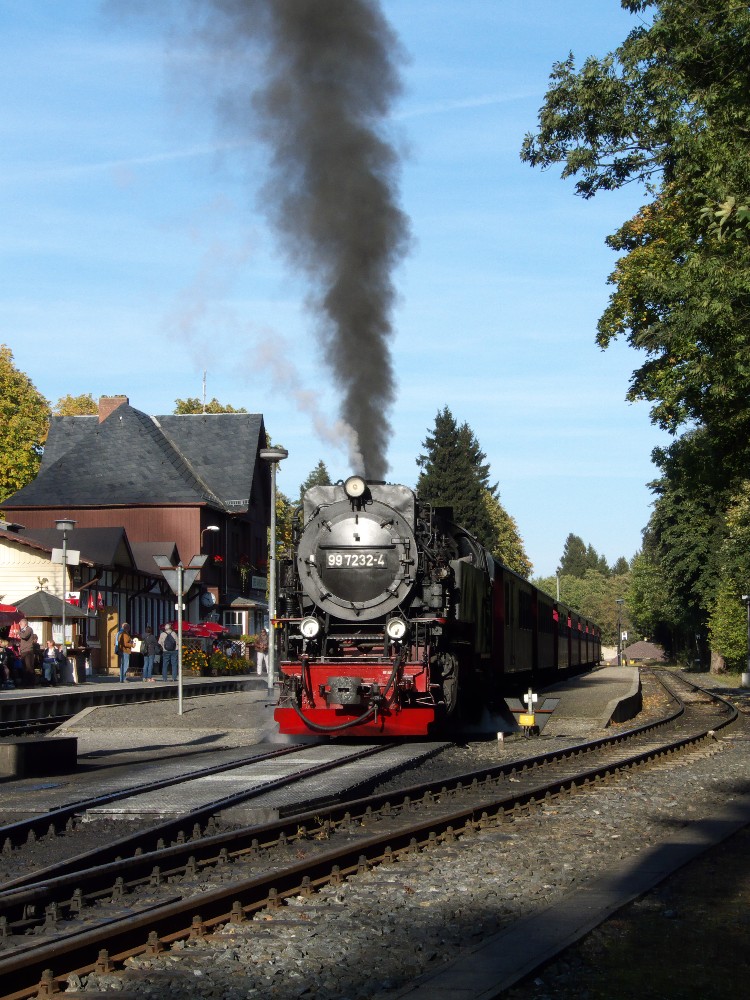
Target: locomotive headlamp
(354,487)
(396,629)
(309,627)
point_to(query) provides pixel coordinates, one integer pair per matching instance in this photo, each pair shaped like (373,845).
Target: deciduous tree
(194,405)
(670,109)
(508,546)
(24,420)
(76,406)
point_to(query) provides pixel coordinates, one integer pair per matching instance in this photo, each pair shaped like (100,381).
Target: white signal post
(180,580)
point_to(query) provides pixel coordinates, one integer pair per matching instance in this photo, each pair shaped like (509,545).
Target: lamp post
(212,528)
(745,680)
(619,602)
(209,527)
(273,456)
(65,525)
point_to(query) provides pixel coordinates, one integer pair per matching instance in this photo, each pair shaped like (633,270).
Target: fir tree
(455,474)
(318,477)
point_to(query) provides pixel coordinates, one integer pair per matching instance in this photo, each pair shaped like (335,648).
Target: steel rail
(150,842)
(56,819)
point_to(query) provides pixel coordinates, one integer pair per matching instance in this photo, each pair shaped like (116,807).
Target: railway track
(156,897)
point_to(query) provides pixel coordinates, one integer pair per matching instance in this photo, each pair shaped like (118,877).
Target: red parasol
(214,628)
(9,614)
(188,628)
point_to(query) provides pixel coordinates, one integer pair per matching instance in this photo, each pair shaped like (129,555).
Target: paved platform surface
(609,694)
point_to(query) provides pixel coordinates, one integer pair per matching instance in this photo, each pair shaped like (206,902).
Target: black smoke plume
(328,78)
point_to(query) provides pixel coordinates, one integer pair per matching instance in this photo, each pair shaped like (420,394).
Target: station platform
(20,704)
(576,707)
(603,696)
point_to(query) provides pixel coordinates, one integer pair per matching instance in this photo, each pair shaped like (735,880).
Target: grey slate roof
(45,605)
(131,458)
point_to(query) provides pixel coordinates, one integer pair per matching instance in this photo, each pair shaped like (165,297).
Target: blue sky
(135,254)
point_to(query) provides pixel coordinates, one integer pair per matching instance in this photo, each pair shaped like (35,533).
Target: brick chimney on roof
(108,404)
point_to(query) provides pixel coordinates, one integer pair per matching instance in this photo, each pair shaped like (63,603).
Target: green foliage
(24,420)
(727,622)
(284,515)
(687,526)
(573,561)
(76,406)
(577,558)
(454,474)
(727,626)
(670,109)
(647,599)
(194,405)
(508,545)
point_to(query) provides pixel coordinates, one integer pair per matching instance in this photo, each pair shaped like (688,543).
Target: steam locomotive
(395,621)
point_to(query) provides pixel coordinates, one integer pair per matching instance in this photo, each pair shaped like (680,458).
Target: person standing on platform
(149,647)
(26,652)
(168,643)
(125,645)
(261,652)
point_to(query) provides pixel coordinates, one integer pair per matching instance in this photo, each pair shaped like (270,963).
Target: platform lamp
(273,456)
(65,524)
(619,602)
(209,527)
(745,680)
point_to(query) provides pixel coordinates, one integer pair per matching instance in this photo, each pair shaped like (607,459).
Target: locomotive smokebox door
(358,562)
